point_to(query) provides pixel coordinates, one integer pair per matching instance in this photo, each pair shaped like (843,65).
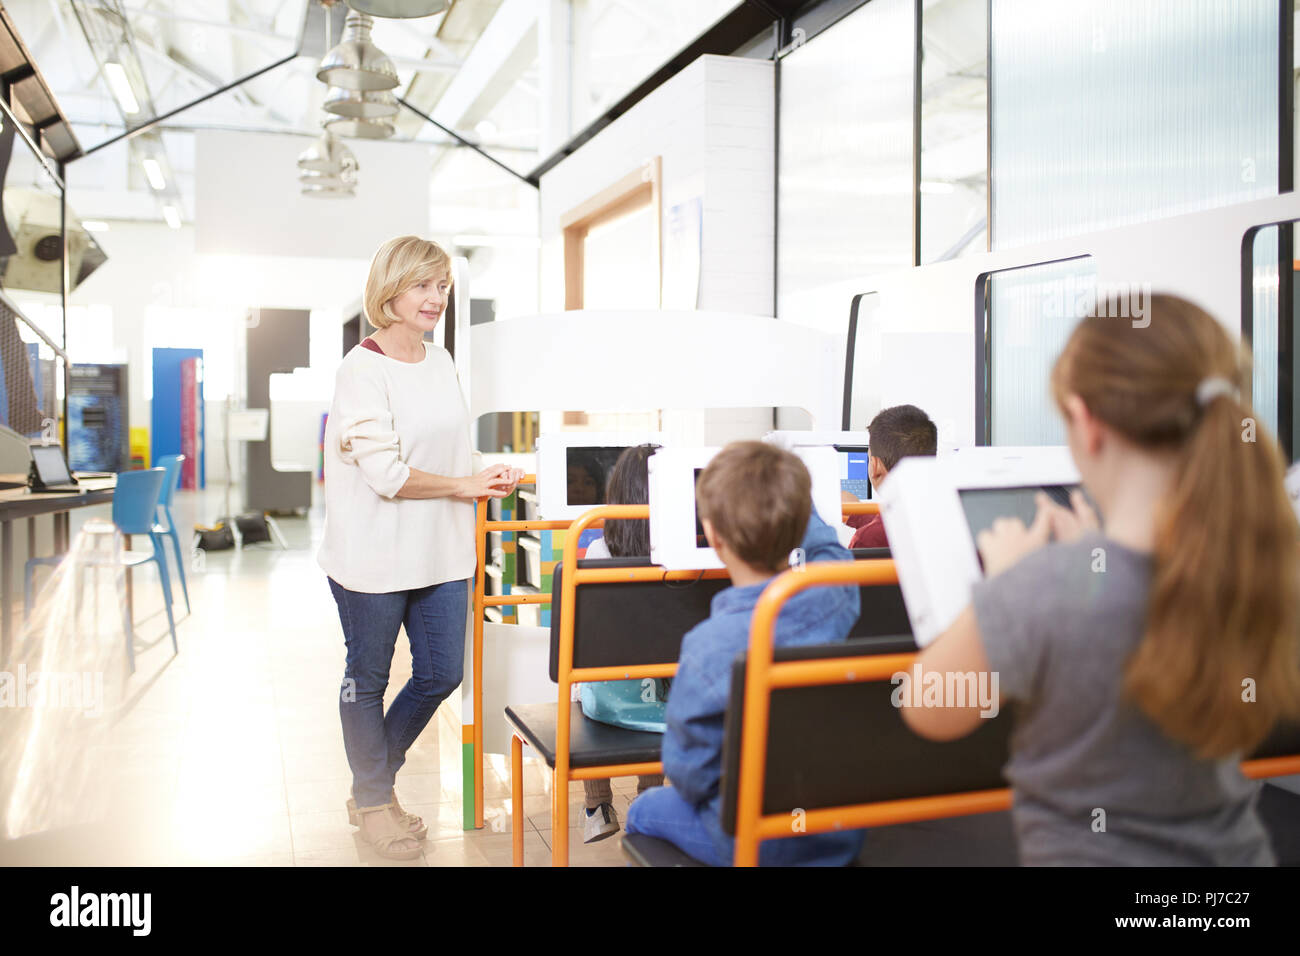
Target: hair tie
(1212,387)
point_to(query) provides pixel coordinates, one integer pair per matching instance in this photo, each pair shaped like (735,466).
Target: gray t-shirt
(1058,630)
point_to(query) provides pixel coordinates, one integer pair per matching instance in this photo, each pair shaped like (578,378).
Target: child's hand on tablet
(1069,524)
(1008,540)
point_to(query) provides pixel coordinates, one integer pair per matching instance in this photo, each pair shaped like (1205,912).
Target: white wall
(162,293)
(713,125)
(248,200)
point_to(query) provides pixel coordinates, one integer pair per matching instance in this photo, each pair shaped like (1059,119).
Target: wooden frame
(643,186)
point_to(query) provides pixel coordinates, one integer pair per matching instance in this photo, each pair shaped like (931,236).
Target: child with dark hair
(633,704)
(755,501)
(895,433)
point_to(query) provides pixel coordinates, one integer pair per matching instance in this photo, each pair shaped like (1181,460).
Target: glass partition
(844,185)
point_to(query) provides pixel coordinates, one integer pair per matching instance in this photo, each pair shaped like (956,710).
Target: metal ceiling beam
(466,143)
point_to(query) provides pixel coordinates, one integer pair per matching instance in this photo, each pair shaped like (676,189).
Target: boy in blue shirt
(755,502)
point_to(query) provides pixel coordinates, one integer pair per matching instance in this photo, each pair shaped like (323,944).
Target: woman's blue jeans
(376,742)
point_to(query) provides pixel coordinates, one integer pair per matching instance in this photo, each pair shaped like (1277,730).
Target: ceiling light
(327,192)
(360,128)
(94,225)
(356,63)
(326,154)
(361,104)
(121,87)
(153,170)
(343,176)
(172,216)
(399,9)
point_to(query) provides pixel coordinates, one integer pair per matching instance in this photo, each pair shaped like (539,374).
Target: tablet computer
(573,469)
(934,508)
(677,539)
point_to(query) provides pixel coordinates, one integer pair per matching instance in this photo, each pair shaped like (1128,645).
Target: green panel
(467,784)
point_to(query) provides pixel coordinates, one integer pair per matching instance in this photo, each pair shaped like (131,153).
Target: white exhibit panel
(634,361)
(274,218)
(934,508)
(713,126)
(676,535)
(573,469)
(516,673)
(918,341)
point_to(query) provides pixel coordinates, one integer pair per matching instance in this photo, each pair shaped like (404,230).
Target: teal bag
(631,704)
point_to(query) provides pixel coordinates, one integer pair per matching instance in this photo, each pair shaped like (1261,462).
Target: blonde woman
(399,528)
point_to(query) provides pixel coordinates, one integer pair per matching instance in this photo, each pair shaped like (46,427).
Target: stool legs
(160,556)
(180,561)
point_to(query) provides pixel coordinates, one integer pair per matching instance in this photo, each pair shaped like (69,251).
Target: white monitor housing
(933,508)
(851,459)
(573,469)
(676,534)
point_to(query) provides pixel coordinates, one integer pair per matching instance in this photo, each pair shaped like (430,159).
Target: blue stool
(172,465)
(135,510)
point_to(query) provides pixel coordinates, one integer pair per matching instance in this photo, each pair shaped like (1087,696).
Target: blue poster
(98,435)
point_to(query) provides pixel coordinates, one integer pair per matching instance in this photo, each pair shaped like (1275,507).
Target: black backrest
(640,622)
(845,744)
(883,612)
(871,554)
(1284,741)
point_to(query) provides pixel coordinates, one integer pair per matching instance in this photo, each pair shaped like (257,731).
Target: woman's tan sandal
(409,821)
(386,837)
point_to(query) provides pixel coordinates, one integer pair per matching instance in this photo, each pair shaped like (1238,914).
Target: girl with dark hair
(1148,653)
(634,704)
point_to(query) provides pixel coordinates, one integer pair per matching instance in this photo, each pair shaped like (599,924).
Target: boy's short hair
(758,498)
(895,433)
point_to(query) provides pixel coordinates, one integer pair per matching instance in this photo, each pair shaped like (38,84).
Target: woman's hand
(1008,540)
(495,481)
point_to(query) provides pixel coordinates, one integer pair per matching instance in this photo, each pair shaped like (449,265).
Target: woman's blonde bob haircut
(398,265)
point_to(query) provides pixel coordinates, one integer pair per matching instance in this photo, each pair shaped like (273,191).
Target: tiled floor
(230,752)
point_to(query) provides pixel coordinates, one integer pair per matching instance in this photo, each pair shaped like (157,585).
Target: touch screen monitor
(850,448)
(934,508)
(51,466)
(854,470)
(676,532)
(573,469)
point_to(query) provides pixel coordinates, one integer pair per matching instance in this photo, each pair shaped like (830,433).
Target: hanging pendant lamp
(326,154)
(328,192)
(356,63)
(345,176)
(399,9)
(361,104)
(360,128)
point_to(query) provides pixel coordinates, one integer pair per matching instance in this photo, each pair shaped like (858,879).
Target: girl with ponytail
(1150,652)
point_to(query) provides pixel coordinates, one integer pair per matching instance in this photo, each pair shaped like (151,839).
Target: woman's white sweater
(388,417)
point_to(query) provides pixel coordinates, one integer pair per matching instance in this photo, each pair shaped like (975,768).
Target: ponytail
(1219,661)
(1217,667)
